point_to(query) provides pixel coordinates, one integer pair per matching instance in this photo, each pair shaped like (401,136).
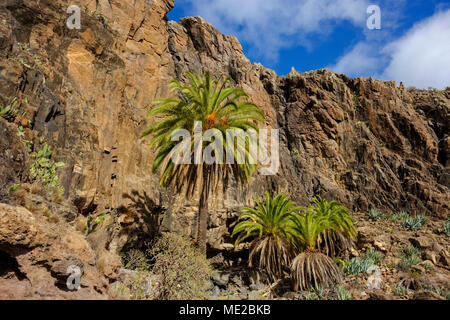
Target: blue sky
(413,44)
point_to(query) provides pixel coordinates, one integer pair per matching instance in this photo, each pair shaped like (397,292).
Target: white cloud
(362,60)
(269,26)
(420,58)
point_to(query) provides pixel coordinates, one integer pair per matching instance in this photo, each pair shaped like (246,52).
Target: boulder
(39,254)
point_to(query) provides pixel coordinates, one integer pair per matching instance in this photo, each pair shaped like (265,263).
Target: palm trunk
(203,211)
(202,222)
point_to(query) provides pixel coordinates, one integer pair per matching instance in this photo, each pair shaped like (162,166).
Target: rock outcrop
(35,256)
(364,142)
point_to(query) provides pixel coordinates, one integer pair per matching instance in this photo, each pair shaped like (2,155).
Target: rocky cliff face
(364,142)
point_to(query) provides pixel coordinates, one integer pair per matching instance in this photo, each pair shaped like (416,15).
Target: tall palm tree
(269,227)
(311,267)
(342,233)
(216,106)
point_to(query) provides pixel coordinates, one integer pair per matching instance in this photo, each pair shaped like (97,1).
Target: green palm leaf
(269,227)
(216,105)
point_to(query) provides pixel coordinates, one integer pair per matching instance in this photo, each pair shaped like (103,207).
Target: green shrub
(21,134)
(44,168)
(410,256)
(315,293)
(400,290)
(135,259)
(439,291)
(400,216)
(360,265)
(343,294)
(356,99)
(375,214)
(13,188)
(10,112)
(447,227)
(96,15)
(134,287)
(408,222)
(92,224)
(311,295)
(375,256)
(414,223)
(185,271)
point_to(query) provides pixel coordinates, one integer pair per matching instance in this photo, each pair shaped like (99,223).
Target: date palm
(342,233)
(269,227)
(217,106)
(312,268)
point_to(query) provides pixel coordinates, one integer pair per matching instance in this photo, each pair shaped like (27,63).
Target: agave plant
(269,227)
(311,267)
(216,106)
(341,232)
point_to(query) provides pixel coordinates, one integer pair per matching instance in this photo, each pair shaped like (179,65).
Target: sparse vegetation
(411,280)
(13,188)
(314,293)
(359,265)
(135,259)
(44,168)
(356,101)
(10,112)
(92,224)
(296,152)
(414,223)
(375,214)
(400,290)
(343,294)
(184,269)
(134,287)
(409,222)
(438,290)
(447,227)
(96,15)
(311,295)
(28,58)
(400,216)
(28,143)
(410,256)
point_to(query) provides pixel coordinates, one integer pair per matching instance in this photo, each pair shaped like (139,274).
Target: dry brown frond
(334,243)
(311,269)
(271,254)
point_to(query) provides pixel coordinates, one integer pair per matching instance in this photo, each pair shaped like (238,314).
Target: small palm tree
(269,227)
(218,107)
(311,267)
(342,233)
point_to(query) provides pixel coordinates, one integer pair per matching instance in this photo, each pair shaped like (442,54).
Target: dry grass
(80,224)
(54,219)
(46,212)
(36,188)
(20,197)
(31,206)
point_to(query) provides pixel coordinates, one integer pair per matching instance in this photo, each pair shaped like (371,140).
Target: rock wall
(367,143)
